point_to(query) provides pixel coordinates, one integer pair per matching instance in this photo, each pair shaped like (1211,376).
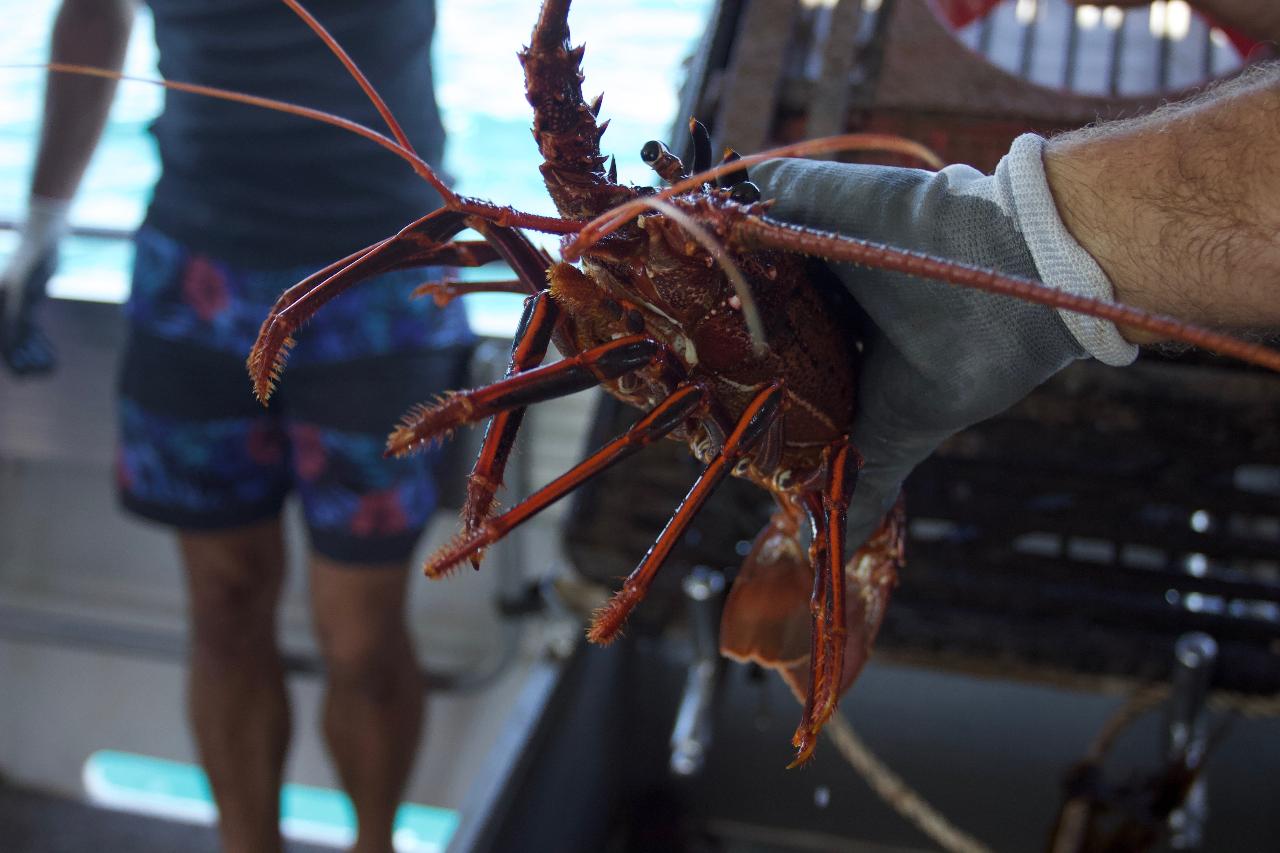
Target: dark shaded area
(1087,528)
(34,822)
(1053,550)
(991,755)
(566,784)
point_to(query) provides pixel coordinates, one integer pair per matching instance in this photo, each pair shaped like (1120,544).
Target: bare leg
(373,708)
(236,695)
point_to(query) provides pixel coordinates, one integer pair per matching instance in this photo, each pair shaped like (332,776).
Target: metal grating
(1088,527)
(1076,536)
(1156,49)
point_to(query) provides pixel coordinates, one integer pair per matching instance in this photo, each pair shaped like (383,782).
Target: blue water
(174,790)
(635,51)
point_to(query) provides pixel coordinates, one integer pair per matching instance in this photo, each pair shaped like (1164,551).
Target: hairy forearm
(86,32)
(1182,208)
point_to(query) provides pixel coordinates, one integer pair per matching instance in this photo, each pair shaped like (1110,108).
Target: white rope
(914,808)
(897,794)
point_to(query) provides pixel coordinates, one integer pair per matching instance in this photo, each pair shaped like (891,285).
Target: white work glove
(943,358)
(25,348)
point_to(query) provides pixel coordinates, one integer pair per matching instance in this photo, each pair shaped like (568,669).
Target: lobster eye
(662,161)
(745,193)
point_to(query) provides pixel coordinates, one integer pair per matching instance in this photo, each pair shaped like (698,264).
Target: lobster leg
(527,351)
(842,477)
(444,292)
(804,739)
(461,253)
(526,260)
(540,323)
(414,245)
(567,376)
(684,403)
(443,223)
(754,423)
(830,630)
(869,577)
(421,243)
(767,233)
(292,294)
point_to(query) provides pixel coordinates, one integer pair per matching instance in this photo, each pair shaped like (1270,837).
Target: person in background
(1177,212)
(248,202)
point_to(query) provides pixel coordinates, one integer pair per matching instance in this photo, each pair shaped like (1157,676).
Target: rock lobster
(693,306)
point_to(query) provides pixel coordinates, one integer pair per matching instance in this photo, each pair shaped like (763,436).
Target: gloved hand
(25,347)
(943,358)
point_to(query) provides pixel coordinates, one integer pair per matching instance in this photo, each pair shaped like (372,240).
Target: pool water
(635,54)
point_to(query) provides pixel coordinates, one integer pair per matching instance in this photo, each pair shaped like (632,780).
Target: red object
(265,444)
(204,287)
(309,457)
(960,13)
(379,514)
(124,474)
(1239,40)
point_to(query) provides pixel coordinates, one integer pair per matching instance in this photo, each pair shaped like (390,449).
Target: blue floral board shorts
(198,452)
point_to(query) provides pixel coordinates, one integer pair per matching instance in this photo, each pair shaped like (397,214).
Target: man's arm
(86,32)
(1182,208)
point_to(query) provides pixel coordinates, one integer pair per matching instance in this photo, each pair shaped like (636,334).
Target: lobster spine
(564,124)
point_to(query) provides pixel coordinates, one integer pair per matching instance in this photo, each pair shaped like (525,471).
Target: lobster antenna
(378,103)
(420,166)
(354,70)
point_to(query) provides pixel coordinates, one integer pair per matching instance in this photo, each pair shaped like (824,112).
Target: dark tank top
(266,190)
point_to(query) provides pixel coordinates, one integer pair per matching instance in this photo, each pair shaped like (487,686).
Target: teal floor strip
(178,791)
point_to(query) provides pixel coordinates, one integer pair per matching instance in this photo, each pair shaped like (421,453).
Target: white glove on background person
(25,348)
